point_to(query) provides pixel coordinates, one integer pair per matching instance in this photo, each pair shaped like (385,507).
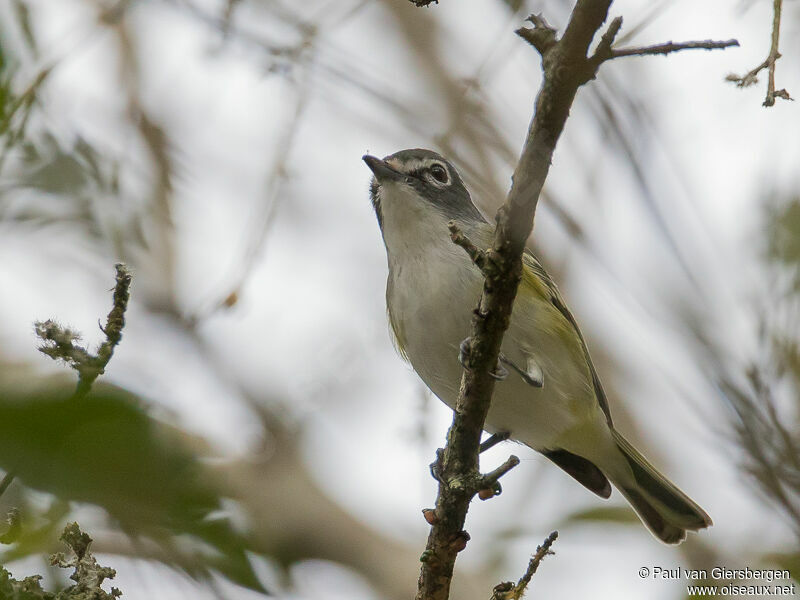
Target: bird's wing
(534,270)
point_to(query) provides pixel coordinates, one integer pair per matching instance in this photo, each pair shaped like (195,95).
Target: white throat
(413,229)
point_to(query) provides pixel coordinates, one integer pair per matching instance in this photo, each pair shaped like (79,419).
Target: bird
(550,397)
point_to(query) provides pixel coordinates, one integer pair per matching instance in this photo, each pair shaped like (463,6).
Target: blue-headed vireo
(551,399)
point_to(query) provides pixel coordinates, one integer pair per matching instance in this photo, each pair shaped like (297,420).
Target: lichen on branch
(87,574)
(61,343)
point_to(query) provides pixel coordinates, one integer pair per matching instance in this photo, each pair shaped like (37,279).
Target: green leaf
(106,449)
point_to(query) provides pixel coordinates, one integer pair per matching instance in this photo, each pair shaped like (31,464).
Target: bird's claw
(533,376)
(499,373)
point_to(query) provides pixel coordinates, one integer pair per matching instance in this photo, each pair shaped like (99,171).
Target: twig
(773,57)
(751,78)
(510,591)
(542,36)
(669,47)
(489,485)
(59,342)
(605,52)
(477,255)
(492,477)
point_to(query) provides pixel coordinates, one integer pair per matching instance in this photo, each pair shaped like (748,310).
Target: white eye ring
(438,172)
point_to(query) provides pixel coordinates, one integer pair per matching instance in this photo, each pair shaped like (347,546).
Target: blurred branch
(160,279)
(285,59)
(471,133)
(59,342)
(751,78)
(275,191)
(765,395)
(26,98)
(510,591)
(772,451)
(13,106)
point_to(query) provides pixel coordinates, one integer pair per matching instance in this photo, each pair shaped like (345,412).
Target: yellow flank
(398,336)
(537,284)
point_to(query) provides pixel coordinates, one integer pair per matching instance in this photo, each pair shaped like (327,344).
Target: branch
(60,342)
(566,67)
(605,52)
(510,591)
(542,36)
(751,78)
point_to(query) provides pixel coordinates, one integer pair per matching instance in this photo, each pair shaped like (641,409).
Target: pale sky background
(310,325)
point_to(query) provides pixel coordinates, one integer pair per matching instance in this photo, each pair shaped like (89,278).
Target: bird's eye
(439,173)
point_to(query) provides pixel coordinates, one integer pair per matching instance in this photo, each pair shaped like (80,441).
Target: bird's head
(415,188)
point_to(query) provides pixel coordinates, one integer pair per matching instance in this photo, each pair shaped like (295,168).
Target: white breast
(433,288)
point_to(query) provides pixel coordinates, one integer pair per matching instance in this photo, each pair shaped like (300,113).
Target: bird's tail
(662,507)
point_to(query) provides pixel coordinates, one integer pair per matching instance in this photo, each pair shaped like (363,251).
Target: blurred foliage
(87,574)
(783,240)
(15,105)
(105,449)
(765,394)
(786,560)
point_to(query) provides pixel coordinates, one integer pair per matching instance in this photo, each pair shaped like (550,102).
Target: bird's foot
(499,373)
(532,375)
(493,440)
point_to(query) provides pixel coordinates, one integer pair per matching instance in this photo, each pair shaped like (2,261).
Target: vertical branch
(112,330)
(566,68)
(774,55)
(751,77)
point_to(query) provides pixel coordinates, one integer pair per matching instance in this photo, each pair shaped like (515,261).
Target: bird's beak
(381,169)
